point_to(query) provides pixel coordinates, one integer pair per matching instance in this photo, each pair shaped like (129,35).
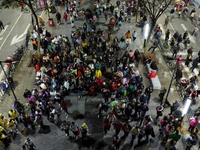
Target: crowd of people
(91,62)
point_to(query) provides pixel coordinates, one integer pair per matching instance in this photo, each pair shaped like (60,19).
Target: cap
(84,125)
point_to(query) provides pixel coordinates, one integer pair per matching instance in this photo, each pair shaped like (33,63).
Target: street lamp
(8,61)
(173,75)
(146,32)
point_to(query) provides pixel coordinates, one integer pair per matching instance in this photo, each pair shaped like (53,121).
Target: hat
(84,125)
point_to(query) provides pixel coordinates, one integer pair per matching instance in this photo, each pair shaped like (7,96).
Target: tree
(155,9)
(15,3)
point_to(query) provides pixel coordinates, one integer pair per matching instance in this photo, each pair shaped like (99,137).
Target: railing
(17,56)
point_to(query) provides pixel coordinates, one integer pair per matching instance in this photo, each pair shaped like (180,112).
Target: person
(141,137)
(134,35)
(85,27)
(194,64)
(116,142)
(65,126)
(5,86)
(126,128)
(170,144)
(179,74)
(128,34)
(117,126)
(75,129)
(188,59)
(137,57)
(13,115)
(65,17)
(106,126)
(172,13)
(159,111)
(154,46)
(174,107)
(179,60)
(193,124)
(161,95)
(186,42)
(192,15)
(34,44)
(154,66)
(195,30)
(84,130)
(58,18)
(167,34)
(190,141)
(148,129)
(1,25)
(28,144)
(4,139)
(148,91)
(134,132)
(179,39)
(21,4)
(166,22)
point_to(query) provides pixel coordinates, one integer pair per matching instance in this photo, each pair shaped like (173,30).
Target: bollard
(171,90)
(160,60)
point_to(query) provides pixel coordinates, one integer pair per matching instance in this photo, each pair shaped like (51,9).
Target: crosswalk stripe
(2,32)
(190,37)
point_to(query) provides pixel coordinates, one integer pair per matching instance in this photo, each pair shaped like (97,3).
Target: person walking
(179,60)
(65,16)
(161,95)
(106,126)
(134,131)
(179,39)
(5,87)
(134,35)
(84,130)
(117,126)
(1,25)
(188,59)
(154,46)
(159,111)
(194,64)
(126,128)
(166,22)
(75,129)
(58,18)
(190,141)
(174,107)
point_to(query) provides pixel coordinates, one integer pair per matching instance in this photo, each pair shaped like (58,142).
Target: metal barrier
(17,56)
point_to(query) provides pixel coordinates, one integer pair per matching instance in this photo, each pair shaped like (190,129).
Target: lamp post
(7,61)
(146,32)
(173,75)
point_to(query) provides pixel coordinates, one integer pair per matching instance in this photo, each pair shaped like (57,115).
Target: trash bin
(51,22)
